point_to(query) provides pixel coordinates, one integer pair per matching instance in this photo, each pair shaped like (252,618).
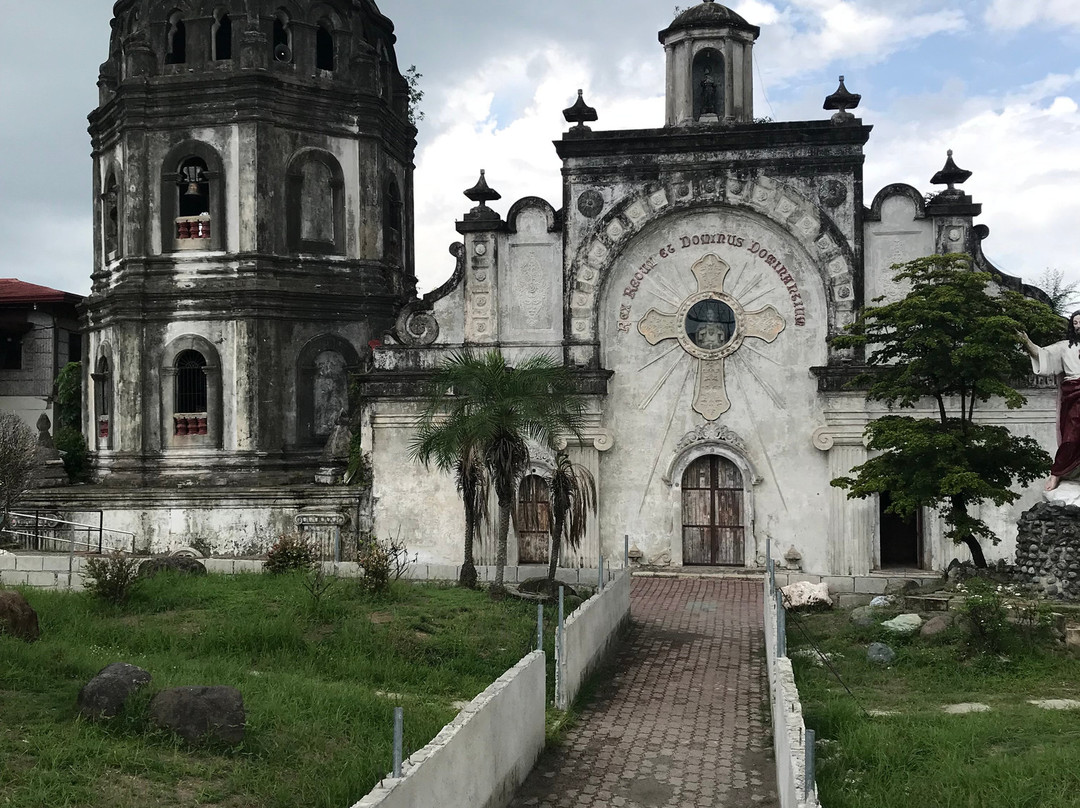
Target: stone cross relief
(711,325)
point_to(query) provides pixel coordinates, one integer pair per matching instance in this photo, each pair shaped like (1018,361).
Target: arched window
(110,212)
(315,204)
(189,394)
(176,52)
(222,36)
(708,78)
(324,47)
(102,378)
(192,205)
(282,39)
(392,223)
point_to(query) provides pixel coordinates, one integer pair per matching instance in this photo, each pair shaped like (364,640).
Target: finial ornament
(482,193)
(842,101)
(580,113)
(951,175)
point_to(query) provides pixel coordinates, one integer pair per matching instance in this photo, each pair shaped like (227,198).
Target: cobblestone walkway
(679,716)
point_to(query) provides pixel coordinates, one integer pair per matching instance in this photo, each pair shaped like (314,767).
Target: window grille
(190,382)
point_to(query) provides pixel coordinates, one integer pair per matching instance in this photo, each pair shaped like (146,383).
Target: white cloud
(1011,15)
(1021,150)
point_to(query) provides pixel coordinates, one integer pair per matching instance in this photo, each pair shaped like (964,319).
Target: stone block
(840,583)
(416,572)
(442,572)
(221,566)
(870,584)
(849,600)
(247,565)
(347,569)
(45,580)
(7,562)
(13,578)
(567,575)
(28,562)
(55,563)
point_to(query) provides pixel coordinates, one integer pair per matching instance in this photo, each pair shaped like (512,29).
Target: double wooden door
(534,517)
(712,508)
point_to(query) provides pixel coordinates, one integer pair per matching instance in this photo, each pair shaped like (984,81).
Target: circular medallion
(711,325)
(590,203)
(832,193)
(480,249)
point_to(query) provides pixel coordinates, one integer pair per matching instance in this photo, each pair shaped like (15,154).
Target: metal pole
(809,773)
(559,653)
(399,726)
(781,625)
(626,550)
(100,530)
(539,626)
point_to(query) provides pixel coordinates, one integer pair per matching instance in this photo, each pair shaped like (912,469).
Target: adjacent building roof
(12,290)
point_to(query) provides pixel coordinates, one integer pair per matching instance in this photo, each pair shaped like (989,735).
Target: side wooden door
(534,516)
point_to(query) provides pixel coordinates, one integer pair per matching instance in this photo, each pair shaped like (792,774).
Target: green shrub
(375,560)
(291,552)
(73,450)
(110,578)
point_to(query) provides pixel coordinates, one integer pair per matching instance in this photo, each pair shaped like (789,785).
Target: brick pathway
(679,716)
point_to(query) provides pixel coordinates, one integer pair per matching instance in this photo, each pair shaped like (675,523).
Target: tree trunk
(976,551)
(467,578)
(498,588)
(556,550)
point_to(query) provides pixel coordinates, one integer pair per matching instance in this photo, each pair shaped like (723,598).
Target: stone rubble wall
(1048,550)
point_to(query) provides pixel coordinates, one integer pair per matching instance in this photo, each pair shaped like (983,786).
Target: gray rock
(17,617)
(905,587)
(880,653)
(105,695)
(863,616)
(904,623)
(183,565)
(937,624)
(199,714)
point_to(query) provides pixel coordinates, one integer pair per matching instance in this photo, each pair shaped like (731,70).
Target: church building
(254,278)
(692,278)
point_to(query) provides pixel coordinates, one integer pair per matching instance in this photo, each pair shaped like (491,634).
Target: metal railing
(36,531)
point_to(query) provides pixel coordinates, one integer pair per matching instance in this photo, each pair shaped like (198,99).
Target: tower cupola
(709,66)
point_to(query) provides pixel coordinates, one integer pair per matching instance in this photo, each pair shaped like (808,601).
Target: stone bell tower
(710,76)
(253,232)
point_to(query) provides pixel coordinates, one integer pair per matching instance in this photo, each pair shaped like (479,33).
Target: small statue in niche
(330,391)
(708,94)
(1062,358)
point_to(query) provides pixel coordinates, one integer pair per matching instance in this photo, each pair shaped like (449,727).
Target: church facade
(254,277)
(692,279)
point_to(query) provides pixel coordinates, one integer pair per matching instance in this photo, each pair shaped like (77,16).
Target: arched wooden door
(534,516)
(712,508)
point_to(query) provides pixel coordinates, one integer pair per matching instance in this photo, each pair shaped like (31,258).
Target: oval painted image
(710,324)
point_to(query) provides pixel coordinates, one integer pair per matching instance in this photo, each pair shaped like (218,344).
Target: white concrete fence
(797,788)
(480,758)
(588,635)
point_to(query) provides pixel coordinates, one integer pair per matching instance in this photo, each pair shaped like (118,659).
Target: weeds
(290,553)
(111,577)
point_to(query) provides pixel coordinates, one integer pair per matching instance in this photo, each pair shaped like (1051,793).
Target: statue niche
(322,387)
(708,82)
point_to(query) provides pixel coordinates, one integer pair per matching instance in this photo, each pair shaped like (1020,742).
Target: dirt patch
(378,618)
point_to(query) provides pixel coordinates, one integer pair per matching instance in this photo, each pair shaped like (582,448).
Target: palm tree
(483,404)
(472,484)
(572,492)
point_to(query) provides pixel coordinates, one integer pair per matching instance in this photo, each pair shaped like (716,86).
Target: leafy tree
(1063,295)
(954,343)
(482,404)
(67,435)
(18,461)
(572,491)
(416,95)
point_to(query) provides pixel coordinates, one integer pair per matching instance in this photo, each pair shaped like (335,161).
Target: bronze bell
(192,175)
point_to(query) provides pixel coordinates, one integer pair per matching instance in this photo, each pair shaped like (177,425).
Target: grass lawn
(319,688)
(1014,756)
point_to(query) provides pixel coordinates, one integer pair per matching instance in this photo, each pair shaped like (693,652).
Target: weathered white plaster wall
(772,393)
(588,634)
(897,238)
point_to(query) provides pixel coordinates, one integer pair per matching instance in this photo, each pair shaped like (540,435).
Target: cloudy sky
(998,81)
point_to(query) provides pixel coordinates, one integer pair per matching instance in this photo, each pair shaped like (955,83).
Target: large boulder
(805,595)
(105,695)
(199,714)
(880,653)
(183,565)
(937,624)
(904,623)
(864,616)
(17,617)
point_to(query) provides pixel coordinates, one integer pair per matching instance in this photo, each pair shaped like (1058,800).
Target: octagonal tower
(253,232)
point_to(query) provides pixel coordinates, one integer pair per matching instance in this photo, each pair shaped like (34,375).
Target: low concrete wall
(483,755)
(789,731)
(588,634)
